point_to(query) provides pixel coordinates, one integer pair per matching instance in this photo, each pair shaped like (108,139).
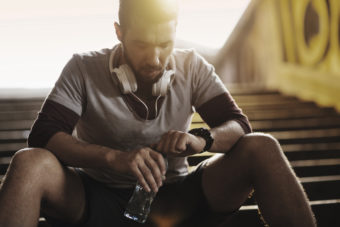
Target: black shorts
(183,201)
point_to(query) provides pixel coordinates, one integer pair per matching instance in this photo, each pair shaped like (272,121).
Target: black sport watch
(205,134)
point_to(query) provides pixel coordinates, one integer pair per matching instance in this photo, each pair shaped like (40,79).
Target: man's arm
(216,107)
(52,130)
(177,143)
(72,152)
(225,136)
(226,120)
(145,164)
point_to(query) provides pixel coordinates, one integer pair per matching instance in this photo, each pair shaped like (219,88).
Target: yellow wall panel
(310,64)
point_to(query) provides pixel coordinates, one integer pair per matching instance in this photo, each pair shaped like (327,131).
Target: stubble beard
(140,76)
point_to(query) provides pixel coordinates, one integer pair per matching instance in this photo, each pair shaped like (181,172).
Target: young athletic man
(114,113)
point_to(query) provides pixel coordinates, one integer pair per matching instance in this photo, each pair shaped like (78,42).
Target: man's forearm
(225,136)
(72,152)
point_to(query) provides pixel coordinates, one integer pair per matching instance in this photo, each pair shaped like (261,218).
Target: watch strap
(206,135)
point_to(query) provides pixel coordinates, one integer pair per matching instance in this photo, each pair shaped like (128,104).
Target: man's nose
(153,57)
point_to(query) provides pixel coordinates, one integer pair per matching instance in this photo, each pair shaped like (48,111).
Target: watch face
(205,134)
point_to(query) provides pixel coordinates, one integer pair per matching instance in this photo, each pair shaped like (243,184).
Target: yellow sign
(320,49)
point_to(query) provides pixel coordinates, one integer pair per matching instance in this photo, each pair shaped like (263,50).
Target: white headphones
(128,83)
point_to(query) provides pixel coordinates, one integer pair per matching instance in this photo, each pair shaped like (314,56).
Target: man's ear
(118,31)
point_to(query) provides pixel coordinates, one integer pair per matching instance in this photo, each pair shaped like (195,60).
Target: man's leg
(257,162)
(37,181)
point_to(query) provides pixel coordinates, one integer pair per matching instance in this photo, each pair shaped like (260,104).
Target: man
(126,108)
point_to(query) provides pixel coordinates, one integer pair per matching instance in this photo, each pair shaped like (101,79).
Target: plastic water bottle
(138,207)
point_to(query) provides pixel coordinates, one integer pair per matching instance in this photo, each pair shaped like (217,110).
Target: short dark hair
(154,11)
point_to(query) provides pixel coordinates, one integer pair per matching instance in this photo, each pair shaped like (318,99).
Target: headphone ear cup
(155,88)
(130,77)
(126,78)
(161,87)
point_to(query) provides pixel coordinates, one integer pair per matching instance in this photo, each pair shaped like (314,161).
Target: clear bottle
(138,207)
(139,204)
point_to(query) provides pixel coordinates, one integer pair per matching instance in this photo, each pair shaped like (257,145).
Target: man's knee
(259,145)
(33,161)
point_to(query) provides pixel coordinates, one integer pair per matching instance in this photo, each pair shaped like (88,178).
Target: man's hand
(147,165)
(177,143)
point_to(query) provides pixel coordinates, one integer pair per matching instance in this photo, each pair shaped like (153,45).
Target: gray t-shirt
(86,86)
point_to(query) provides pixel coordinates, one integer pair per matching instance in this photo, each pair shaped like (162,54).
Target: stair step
(289,114)
(317,154)
(20,101)
(321,170)
(275,106)
(18,115)
(295,124)
(286,124)
(321,187)
(14,135)
(321,146)
(326,213)
(319,179)
(11,147)
(20,106)
(250,90)
(311,133)
(318,162)
(285,115)
(16,125)
(257,98)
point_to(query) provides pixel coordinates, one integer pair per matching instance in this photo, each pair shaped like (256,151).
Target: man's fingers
(147,173)
(174,137)
(159,160)
(182,142)
(168,143)
(171,135)
(160,145)
(141,179)
(148,166)
(155,169)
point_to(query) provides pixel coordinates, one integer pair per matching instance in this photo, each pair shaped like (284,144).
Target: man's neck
(144,90)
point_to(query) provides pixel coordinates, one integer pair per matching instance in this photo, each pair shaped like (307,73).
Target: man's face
(147,48)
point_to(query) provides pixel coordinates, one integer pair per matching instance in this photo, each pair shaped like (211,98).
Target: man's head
(147,30)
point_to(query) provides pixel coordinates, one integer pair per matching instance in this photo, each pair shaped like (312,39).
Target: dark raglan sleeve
(212,100)
(62,108)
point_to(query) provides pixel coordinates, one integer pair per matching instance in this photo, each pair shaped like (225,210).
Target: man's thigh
(183,203)
(181,197)
(104,206)
(175,202)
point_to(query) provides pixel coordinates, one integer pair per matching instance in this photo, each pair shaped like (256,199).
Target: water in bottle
(138,207)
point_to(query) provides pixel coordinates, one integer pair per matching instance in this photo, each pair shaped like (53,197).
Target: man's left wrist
(205,135)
